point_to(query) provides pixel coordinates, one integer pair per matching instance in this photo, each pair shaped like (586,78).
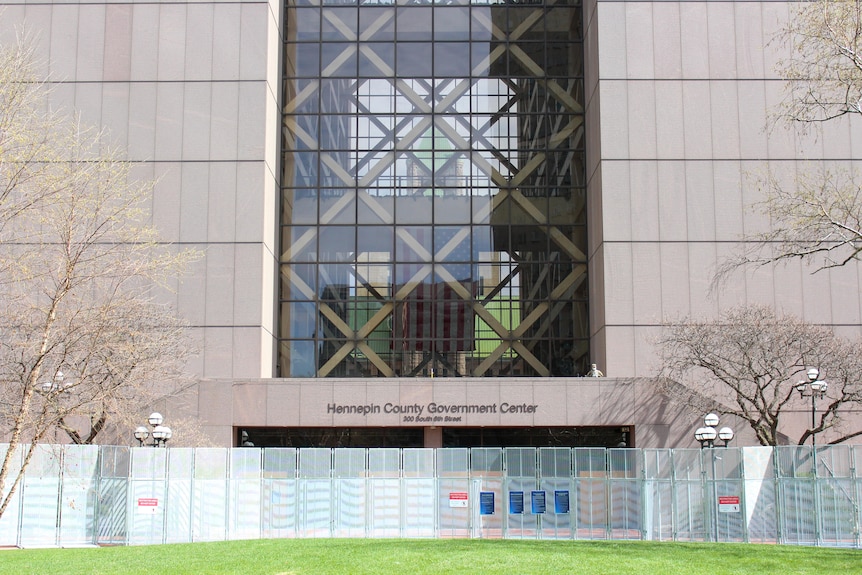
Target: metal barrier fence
(109,495)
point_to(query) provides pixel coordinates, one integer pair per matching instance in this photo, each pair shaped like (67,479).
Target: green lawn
(434,557)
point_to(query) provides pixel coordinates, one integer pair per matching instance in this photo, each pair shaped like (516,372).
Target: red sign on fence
(148,504)
(458,499)
(728,504)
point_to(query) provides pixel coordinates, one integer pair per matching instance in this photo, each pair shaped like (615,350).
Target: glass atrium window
(433,190)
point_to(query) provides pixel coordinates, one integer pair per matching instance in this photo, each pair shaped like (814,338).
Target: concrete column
(433,436)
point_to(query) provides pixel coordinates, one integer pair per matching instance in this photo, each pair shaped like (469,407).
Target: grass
(434,557)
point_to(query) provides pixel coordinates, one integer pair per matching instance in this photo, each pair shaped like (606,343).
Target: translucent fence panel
(453,492)
(689,495)
(180,501)
(760,495)
(40,491)
(839,512)
(726,504)
(658,490)
(419,463)
(279,484)
(486,470)
(591,493)
(520,483)
(818,495)
(10,521)
(316,493)
(148,487)
(419,507)
(78,495)
(112,493)
(349,482)
(835,461)
(837,496)
(555,473)
(625,471)
(384,493)
(797,501)
(210,495)
(419,504)
(244,508)
(384,514)
(84,495)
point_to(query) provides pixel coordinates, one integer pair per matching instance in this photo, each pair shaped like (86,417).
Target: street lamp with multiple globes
(161,433)
(57,383)
(706,435)
(817,389)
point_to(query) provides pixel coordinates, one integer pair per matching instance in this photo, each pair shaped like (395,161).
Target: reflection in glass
(433,196)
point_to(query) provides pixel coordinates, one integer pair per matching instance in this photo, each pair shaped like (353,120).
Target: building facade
(423,221)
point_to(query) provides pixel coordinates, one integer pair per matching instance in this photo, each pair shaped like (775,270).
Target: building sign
(458,499)
(148,505)
(431,412)
(728,504)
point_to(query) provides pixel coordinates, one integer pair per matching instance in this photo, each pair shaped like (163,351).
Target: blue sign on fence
(516,502)
(537,499)
(561,501)
(486,503)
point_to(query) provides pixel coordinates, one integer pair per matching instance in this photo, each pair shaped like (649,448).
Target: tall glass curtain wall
(433,190)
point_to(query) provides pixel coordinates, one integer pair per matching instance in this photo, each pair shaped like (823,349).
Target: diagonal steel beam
(381,212)
(291,124)
(309,90)
(336,62)
(555,234)
(374,358)
(339,25)
(486,363)
(335,359)
(378,62)
(327,311)
(375,26)
(325,218)
(530,358)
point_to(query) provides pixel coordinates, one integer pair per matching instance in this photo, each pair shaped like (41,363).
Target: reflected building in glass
(433,190)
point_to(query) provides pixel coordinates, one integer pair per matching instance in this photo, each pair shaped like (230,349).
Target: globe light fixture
(57,383)
(141,434)
(813,388)
(707,434)
(161,433)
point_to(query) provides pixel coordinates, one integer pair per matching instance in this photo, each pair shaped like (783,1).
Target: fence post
(818,508)
(743,508)
(854,481)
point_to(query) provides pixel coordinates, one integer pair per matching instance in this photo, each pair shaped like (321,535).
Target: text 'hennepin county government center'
(424,222)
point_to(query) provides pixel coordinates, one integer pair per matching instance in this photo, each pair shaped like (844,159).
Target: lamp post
(706,435)
(57,383)
(161,433)
(814,387)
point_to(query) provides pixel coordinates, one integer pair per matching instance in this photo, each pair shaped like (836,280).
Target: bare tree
(26,134)
(84,339)
(824,68)
(817,219)
(747,363)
